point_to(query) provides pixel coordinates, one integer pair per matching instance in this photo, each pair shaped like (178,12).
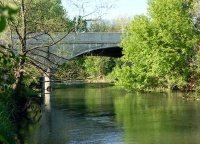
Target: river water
(102,114)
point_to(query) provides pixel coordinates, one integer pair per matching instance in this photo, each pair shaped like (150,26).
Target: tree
(33,21)
(6,78)
(159,49)
(117,25)
(6,57)
(71,70)
(98,67)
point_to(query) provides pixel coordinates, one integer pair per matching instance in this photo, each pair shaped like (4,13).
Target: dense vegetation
(161,50)
(18,74)
(88,68)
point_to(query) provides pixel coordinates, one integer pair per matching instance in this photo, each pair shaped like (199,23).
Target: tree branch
(31,59)
(36,66)
(44,58)
(47,45)
(52,54)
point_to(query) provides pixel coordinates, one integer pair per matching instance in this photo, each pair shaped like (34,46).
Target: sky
(121,8)
(128,8)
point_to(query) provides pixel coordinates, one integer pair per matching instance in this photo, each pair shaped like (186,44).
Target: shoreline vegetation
(191,95)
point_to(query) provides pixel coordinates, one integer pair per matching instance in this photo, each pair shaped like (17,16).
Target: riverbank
(63,83)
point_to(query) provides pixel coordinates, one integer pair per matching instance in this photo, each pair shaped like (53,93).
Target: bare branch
(52,54)
(36,66)
(51,44)
(3,46)
(35,36)
(44,58)
(38,62)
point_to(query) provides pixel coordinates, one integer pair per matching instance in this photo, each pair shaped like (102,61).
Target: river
(102,114)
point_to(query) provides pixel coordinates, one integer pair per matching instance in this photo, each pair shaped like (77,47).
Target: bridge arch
(76,44)
(114,51)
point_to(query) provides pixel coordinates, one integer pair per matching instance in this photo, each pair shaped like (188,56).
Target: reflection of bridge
(76,44)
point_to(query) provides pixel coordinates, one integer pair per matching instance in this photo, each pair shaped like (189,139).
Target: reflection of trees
(98,100)
(157,119)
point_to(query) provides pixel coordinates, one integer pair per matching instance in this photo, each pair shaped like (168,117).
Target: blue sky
(127,8)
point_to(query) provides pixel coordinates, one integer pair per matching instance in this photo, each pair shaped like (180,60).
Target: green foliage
(97,67)
(31,76)
(46,16)
(81,68)
(7,64)
(6,12)
(80,24)
(71,70)
(7,129)
(6,126)
(159,49)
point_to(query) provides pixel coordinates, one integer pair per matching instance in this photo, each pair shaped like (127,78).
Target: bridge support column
(47,89)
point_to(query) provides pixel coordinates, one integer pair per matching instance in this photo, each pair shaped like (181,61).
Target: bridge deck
(72,45)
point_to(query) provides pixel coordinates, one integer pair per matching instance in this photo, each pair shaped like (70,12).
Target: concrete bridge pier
(47,89)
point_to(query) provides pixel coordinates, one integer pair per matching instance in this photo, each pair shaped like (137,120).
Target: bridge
(73,45)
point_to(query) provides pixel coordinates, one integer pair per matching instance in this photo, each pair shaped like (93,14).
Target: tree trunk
(18,81)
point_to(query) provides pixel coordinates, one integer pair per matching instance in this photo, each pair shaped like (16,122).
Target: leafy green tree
(32,19)
(98,67)
(71,70)
(7,61)
(159,49)
(46,16)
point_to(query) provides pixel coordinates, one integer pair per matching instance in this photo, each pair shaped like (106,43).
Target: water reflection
(158,118)
(76,117)
(103,114)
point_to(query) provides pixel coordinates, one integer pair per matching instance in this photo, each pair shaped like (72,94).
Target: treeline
(86,68)
(161,49)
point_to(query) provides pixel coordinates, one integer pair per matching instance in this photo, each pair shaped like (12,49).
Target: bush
(7,129)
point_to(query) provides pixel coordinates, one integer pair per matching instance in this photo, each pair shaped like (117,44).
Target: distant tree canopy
(161,49)
(116,25)
(42,15)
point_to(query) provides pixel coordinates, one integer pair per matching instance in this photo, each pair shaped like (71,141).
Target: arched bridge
(73,45)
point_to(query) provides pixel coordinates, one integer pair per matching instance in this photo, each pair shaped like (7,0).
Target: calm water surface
(101,114)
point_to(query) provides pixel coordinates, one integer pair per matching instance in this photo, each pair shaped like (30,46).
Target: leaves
(3,23)
(6,12)
(159,47)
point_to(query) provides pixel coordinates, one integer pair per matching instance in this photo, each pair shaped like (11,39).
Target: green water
(101,114)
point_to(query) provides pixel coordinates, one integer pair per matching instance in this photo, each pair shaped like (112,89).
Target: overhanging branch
(54,42)
(47,45)
(31,59)
(53,54)
(44,58)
